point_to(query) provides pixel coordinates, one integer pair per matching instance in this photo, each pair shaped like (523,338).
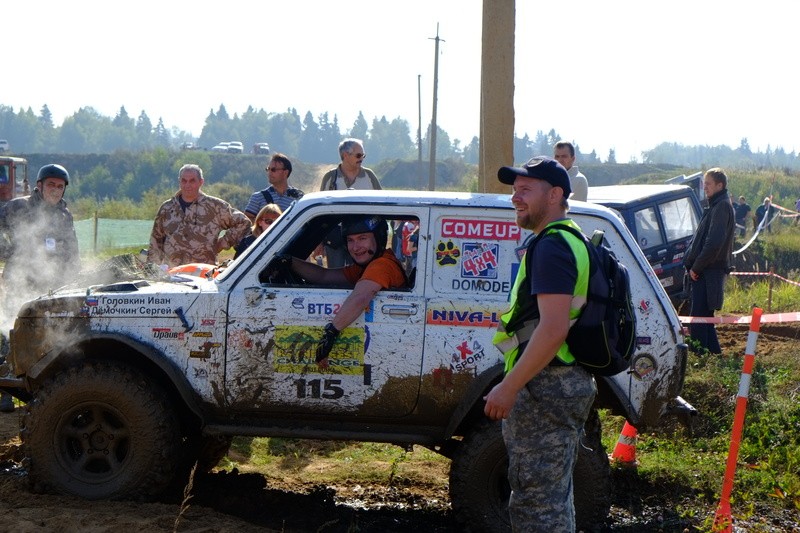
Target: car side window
(680,219)
(647,231)
(323,235)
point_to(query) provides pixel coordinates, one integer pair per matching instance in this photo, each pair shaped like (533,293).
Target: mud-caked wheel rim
(93,442)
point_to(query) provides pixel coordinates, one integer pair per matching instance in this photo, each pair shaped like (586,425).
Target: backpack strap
(267,196)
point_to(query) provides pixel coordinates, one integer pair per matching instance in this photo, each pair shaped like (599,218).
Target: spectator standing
(708,260)
(741,210)
(278,192)
(187,227)
(349,174)
(38,236)
(564,153)
(764,214)
(797,214)
(264,219)
(544,398)
(38,244)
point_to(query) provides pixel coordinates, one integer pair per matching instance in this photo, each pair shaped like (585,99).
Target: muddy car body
(234,355)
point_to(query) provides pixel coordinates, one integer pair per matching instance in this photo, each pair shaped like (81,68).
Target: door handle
(399,310)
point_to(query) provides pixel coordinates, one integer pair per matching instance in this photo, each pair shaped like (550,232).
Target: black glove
(325,344)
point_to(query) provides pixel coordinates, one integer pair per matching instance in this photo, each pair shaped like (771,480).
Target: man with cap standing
(544,399)
(38,244)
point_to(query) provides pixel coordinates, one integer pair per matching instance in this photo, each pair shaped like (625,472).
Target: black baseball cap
(540,167)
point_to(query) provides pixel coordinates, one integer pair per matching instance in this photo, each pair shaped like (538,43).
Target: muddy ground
(235,502)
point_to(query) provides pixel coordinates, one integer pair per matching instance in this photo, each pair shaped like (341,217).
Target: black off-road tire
(479,488)
(101,431)
(592,486)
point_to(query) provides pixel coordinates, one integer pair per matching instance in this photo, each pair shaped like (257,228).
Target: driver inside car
(375,267)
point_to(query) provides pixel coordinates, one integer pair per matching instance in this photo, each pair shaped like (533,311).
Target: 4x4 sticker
(467,356)
(479,260)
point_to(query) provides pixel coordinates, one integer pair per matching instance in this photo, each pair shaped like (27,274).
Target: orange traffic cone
(625,451)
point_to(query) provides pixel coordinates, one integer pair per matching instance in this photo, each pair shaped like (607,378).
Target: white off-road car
(130,383)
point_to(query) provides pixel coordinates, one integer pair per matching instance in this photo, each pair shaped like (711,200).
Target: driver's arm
(319,275)
(354,304)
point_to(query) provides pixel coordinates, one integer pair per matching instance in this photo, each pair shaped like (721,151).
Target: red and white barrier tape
(765,274)
(772,318)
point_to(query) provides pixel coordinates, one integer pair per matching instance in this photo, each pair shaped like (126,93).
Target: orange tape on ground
(771,318)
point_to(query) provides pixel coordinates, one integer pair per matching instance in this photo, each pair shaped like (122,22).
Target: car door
(274,327)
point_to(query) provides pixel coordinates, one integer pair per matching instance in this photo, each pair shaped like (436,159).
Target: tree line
(314,139)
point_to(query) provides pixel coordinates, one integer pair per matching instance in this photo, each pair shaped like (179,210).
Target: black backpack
(603,337)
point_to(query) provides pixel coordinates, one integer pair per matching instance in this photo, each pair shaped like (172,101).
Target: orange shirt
(384,270)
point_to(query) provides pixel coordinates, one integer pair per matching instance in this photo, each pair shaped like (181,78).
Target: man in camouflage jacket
(187,227)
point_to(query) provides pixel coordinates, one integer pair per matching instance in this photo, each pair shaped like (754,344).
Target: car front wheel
(101,431)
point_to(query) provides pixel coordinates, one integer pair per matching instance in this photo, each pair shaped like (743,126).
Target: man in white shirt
(564,153)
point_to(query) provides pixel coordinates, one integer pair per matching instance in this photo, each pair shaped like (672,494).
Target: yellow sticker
(295,351)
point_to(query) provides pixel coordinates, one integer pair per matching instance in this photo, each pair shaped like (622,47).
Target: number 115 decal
(326,389)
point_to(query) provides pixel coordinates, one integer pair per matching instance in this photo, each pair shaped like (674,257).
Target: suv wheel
(101,431)
(591,480)
(479,487)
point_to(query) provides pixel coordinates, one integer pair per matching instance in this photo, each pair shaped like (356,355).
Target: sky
(624,75)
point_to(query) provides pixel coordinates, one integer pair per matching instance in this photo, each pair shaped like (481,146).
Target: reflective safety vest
(508,340)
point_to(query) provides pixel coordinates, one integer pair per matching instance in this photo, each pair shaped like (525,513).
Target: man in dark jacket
(38,236)
(38,244)
(708,261)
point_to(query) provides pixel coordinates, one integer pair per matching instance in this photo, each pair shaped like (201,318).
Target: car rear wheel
(101,431)
(479,488)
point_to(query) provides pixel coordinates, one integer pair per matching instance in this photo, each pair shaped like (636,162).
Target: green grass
(314,461)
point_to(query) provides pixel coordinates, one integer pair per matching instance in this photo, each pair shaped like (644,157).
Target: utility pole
(432,173)
(419,131)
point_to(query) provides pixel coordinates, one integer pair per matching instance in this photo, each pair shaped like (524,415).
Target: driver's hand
(283,260)
(325,344)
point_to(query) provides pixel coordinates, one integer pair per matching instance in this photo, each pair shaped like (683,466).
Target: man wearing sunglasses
(279,191)
(349,174)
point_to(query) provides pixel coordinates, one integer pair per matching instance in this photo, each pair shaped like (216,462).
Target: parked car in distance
(235,147)
(4,147)
(261,148)
(221,147)
(663,219)
(188,145)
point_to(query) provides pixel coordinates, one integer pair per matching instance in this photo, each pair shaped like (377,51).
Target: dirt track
(229,501)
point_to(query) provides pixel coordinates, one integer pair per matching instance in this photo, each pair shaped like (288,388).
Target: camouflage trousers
(542,434)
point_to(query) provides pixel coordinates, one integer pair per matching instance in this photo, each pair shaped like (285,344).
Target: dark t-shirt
(553,261)
(740,211)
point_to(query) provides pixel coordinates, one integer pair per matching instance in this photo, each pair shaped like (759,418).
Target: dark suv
(663,219)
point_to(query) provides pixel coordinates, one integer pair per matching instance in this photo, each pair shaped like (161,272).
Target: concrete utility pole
(497,93)
(432,174)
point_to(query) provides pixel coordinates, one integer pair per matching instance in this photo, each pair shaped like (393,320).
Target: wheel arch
(121,348)
(470,409)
